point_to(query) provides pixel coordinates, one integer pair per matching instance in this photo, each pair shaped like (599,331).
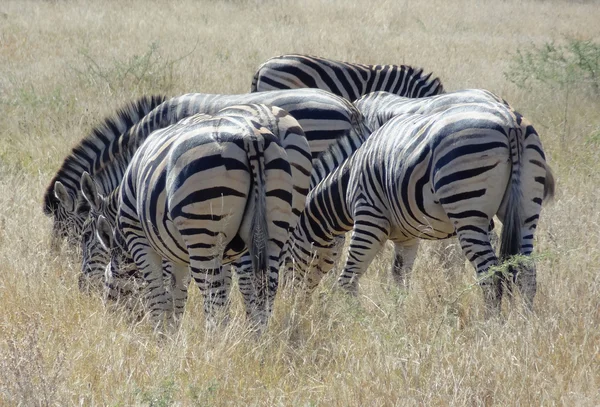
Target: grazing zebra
(62,199)
(348,80)
(323,117)
(378,108)
(430,177)
(189,202)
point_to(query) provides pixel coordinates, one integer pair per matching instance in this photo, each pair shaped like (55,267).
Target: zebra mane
(334,156)
(94,150)
(417,75)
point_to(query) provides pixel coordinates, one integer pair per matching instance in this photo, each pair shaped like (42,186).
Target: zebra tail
(549,184)
(259,232)
(510,241)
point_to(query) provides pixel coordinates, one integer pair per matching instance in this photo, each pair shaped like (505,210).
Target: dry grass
(66,64)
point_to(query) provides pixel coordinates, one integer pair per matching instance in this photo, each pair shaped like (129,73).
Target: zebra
(345,79)
(291,137)
(378,108)
(197,193)
(105,152)
(322,116)
(431,176)
(62,199)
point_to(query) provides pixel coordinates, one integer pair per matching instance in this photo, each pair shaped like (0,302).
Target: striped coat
(198,193)
(430,176)
(348,80)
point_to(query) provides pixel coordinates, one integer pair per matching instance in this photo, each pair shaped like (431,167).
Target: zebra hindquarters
(206,207)
(271,211)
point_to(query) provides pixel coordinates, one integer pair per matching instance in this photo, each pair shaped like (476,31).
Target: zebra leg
(214,282)
(476,246)
(526,281)
(179,282)
(370,232)
(159,299)
(404,257)
(243,268)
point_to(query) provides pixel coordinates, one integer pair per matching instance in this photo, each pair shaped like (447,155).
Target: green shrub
(575,63)
(150,71)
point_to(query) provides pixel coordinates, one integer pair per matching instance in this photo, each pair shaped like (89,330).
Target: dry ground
(64,65)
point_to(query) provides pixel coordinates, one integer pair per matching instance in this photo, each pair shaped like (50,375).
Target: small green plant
(149,71)
(162,396)
(575,62)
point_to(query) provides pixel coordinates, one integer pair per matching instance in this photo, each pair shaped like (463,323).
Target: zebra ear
(63,196)
(104,233)
(90,191)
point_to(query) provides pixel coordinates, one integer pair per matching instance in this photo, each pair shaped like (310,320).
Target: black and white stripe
(345,79)
(289,135)
(62,199)
(429,176)
(198,193)
(378,108)
(323,117)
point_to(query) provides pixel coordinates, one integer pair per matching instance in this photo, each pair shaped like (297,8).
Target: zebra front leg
(404,258)
(370,232)
(214,282)
(158,299)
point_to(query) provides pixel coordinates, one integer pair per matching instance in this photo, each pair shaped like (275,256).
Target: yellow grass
(64,65)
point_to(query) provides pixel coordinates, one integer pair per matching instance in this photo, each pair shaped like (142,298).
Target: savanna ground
(64,65)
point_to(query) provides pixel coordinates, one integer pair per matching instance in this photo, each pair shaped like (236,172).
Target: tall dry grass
(64,65)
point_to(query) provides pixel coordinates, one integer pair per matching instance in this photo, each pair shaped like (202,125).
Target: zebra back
(323,116)
(349,80)
(379,107)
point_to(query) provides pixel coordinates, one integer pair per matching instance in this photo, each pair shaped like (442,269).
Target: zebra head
(69,213)
(95,257)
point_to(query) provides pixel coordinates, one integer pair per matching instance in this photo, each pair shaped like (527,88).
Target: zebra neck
(113,203)
(336,155)
(326,213)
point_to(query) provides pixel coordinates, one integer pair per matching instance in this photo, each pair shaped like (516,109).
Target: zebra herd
(189,187)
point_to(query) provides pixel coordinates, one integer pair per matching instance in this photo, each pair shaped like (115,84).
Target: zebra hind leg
(243,268)
(178,282)
(477,248)
(159,300)
(404,259)
(214,282)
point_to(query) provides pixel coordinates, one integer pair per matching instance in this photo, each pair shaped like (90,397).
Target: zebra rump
(224,184)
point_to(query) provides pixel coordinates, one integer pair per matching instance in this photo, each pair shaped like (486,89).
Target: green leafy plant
(575,62)
(149,71)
